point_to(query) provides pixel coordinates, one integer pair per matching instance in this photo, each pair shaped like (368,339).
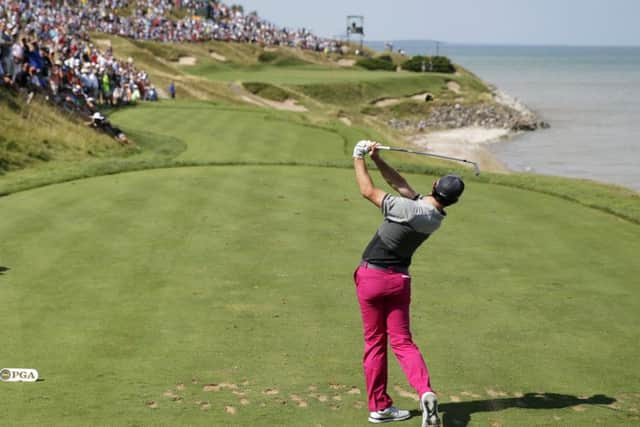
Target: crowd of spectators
(202,20)
(45,46)
(45,51)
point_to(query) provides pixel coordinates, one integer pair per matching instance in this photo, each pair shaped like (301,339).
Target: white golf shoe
(387,415)
(429,406)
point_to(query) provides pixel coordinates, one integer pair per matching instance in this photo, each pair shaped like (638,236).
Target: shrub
(375,64)
(436,64)
(267,57)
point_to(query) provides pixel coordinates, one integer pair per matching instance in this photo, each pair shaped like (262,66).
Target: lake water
(589,95)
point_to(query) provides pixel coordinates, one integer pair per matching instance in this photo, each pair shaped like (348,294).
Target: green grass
(268,91)
(171,134)
(134,284)
(220,251)
(34,133)
(347,87)
(290,137)
(178,134)
(313,79)
(392,85)
(296,75)
(280,59)
(218,133)
(137,289)
(167,51)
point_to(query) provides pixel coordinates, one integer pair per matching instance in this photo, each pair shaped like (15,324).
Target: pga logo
(14,375)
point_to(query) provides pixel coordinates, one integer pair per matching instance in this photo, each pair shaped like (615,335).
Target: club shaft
(423,153)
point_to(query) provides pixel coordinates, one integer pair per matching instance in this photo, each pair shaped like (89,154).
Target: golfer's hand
(375,153)
(362,148)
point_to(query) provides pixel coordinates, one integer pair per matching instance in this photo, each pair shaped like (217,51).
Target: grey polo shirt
(407,224)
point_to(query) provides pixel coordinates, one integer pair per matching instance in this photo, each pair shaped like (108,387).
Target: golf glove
(361,149)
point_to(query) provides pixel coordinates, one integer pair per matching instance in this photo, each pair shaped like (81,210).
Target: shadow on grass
(458,414)
(3,270)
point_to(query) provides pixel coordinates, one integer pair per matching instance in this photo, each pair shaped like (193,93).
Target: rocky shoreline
(468,130)
(504,113)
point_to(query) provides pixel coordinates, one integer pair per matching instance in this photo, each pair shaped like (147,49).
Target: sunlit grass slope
(223,296)
(204,277)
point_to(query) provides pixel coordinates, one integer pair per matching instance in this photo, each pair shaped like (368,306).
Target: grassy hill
(315,80)
(221,294)
(34,133)
(232,74)
(204,278)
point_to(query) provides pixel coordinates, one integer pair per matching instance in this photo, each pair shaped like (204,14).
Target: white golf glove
(362,148)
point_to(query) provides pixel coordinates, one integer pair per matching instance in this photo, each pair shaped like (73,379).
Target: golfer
(383,282)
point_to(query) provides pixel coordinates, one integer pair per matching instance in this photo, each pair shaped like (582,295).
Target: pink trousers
(384,298)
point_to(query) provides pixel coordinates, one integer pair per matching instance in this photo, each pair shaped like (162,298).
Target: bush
(376,64)
(266,57)
(435,64)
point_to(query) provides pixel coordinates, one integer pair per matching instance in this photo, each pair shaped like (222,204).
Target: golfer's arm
(394,179)
(365,183)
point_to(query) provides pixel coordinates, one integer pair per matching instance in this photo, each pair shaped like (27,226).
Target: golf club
(439,156)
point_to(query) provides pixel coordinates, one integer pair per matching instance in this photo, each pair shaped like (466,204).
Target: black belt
(394,268)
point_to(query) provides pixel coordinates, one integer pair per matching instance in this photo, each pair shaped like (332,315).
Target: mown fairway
(222,295)
(350,87)
(306,74)
(232,134)
(290,75)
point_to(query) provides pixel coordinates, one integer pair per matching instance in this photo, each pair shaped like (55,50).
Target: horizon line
(502,44)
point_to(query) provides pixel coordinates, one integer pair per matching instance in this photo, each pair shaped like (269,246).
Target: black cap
(447,190)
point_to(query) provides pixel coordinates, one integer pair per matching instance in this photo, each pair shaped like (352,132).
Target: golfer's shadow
(458,414)
(3,270)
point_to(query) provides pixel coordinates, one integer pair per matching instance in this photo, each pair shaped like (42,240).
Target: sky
(523,22)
